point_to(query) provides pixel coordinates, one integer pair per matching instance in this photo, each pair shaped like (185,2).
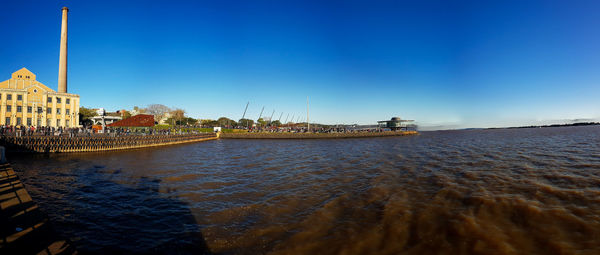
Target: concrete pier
(275,135)
(46,144)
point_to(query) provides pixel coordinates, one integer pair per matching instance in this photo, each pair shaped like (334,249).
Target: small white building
(97,120)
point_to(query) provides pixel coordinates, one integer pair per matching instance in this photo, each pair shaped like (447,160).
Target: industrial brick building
(27,102)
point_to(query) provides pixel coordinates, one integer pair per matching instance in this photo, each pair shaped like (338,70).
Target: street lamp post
(101,112)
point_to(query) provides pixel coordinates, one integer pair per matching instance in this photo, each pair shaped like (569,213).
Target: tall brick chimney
(62,62)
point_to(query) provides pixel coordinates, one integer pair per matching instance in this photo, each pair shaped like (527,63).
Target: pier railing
(95,143)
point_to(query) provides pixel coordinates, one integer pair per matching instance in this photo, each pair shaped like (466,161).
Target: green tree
(276,123)
(178,115)
(125,114)
(224,121)
(85,116)
(261,122)
(190,121)
(246,122)
(205,122)
(182,121)
(213,123)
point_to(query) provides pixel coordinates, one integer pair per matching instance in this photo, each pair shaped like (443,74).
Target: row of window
(20,98)
(59,100)
(9,97)
(39,122)
(21,76)
(39,109)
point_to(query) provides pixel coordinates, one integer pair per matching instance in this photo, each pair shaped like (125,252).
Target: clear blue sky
(442,63)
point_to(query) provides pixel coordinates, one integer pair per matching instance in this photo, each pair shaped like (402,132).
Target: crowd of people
(9,130)
(313,130)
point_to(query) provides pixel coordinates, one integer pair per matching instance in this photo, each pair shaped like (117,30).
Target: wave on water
(503,191)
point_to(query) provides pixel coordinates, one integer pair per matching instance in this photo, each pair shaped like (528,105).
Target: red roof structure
(140,120)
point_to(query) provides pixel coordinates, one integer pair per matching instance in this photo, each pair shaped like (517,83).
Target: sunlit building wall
(28,102)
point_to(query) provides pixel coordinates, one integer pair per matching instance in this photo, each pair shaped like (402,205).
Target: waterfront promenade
(45,144)
(69,142)
(311,135)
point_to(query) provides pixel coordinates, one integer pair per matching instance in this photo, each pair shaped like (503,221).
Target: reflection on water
(529,191)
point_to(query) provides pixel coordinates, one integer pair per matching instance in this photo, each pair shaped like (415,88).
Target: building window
(48,122)
(39,122)
(67,111)
(58,122)
(29,109)
(66,123)
(57,110)
(8,96)
(19,97)
(8,108)
(68,100)
(49,110)
(28,121)
(18,121)
(19,108)
(39,109)
(58,100)
(7,121)
(49,100)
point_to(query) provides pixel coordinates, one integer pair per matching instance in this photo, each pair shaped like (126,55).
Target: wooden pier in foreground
(24,228)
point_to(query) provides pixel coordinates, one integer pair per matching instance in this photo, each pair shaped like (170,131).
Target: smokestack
(62,62)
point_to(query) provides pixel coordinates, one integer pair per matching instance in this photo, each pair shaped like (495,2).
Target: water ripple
(527,191)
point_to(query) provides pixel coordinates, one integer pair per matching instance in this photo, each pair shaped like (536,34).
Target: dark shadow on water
(103,212)
(137,220)
(24,228)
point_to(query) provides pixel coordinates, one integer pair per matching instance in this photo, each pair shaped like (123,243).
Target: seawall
(268,135)
(102,143)
(51,144)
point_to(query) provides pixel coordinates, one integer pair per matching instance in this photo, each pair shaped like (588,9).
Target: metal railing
(61,143)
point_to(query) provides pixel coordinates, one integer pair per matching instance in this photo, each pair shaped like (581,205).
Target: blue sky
(446,64)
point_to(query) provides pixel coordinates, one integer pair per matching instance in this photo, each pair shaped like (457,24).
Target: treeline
(559,125)
(176,117)
(161,113)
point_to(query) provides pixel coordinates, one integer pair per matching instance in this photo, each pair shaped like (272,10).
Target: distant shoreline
(555,125)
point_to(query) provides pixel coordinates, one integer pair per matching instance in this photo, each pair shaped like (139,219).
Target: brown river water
(503,191)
